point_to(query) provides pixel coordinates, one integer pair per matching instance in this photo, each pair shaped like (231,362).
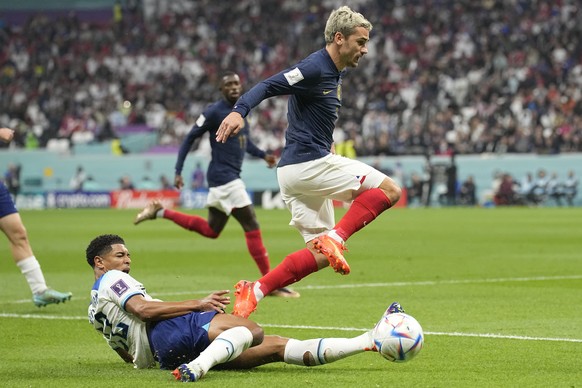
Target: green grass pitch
(497,291)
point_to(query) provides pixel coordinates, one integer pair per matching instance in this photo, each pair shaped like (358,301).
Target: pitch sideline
(305,327)
(373,285)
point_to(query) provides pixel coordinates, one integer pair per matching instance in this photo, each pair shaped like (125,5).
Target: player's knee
(258,334)
(18,236)
(392,190)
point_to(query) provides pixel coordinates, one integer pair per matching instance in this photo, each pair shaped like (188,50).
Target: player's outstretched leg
(50,296)
(227,346)
(188,374)
(333,250)
(149,212)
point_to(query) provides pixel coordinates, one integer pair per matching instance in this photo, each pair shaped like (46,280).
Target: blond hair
(344,20)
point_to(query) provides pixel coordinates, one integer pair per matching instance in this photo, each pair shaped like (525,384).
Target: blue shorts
(6,203)
(179,340)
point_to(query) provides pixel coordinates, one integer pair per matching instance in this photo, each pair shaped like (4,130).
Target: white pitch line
(411,284)
(517,337)
(306,327)
(41,316)
(379,285)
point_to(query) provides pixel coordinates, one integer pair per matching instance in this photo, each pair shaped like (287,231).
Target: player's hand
(6,135)
(271,160)
(231,125)
(178,181)
(216,301)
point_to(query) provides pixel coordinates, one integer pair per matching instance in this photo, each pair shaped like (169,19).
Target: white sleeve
(119,287)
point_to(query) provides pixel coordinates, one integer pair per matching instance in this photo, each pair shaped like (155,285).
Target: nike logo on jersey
(325,92)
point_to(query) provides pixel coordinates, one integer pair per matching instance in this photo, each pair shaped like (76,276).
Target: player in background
(191,336)
(12,226)
(310,175)
(227,192)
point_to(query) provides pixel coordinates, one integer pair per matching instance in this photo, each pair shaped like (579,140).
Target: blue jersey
(227,158)
(314,87)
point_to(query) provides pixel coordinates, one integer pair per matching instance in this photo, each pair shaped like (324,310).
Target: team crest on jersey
(119,287)
(293,76)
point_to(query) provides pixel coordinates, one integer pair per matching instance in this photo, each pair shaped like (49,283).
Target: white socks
(325,350)
(30,268)
(160,213)
(257,290)
(227,346)
(332,233)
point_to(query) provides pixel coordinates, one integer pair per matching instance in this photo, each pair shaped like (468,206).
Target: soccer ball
(398,337)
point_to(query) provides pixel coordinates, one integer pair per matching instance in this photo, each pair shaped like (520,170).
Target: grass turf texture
(461,272)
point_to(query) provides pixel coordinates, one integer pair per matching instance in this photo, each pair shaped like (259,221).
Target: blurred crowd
(474,76)
(535,191)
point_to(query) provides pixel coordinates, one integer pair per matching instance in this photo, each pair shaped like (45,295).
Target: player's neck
(333,52)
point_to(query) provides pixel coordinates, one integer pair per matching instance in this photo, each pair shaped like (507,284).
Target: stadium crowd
(475,76)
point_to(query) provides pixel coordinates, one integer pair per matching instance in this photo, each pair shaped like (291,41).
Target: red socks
(257,250)
(364,209)
(191,222)
(293,268)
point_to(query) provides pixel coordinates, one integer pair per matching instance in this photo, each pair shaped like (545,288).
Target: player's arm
(234,121)
(255,151)
(6,135)
(151,310)
(271,160)
(294,80)
(197,131)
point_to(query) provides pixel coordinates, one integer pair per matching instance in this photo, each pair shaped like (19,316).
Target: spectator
(125,183)
(12,179)
(555,189)
(539,191)
(414,190)
(506,195)
(451,173)
(526,188)
(78,179)
(427,181)
(165,183)
(468,190)
(570,188)
(447,84)
(117,148)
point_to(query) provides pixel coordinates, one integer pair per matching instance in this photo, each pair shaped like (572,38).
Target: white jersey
(120,328)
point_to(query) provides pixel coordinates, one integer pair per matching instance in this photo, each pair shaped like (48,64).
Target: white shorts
(308,190)
(232,195)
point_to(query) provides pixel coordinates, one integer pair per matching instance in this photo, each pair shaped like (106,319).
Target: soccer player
(12,226)
(191,336)
(227,192)
(310,175)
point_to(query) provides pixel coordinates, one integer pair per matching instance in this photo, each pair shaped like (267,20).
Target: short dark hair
(226,73)
(100,246)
